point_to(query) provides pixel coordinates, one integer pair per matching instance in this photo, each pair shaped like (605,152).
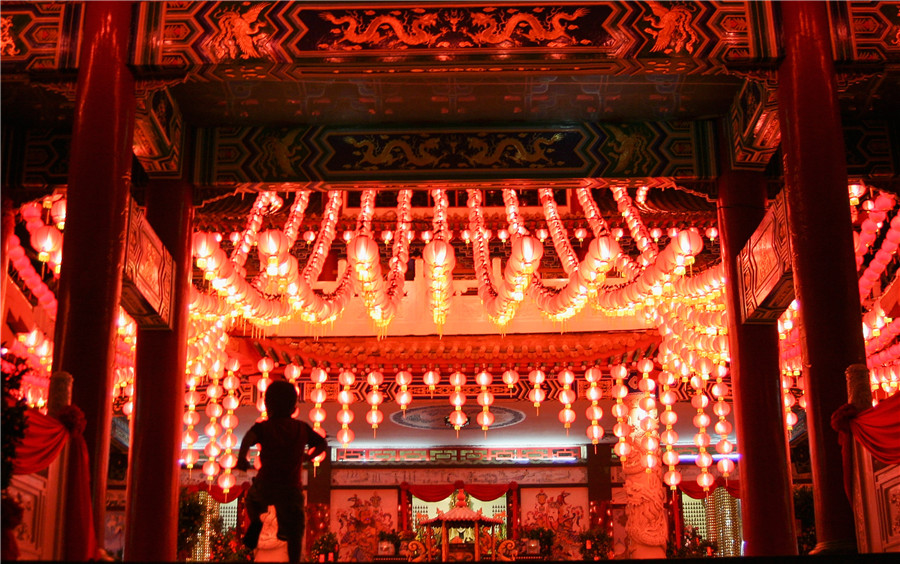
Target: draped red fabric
(218,494)
(430,493)
(44,439)
(694,490)
(81,540)
(877,429)
(437,492)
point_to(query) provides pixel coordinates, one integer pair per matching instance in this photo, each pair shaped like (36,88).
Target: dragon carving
(7,44)
(278,155)
(631,151)
(513,149)
(645,496)
(557,30)
(354,32)
(240,34)
(671,28)
(396,151)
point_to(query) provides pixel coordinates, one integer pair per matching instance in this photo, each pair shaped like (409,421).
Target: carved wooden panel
(887,499)
(239,155)
(158,131)
(766,275)
(30,491)
(148,280)
(39,36)
(266,36)
(753,123)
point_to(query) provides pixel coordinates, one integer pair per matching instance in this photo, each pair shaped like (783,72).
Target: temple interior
(556,281)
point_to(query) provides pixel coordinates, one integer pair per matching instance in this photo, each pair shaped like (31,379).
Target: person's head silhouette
(281,399)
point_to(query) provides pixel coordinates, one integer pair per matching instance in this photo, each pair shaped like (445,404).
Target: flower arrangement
(13,414)
(693,545)
(391,536)
(544,536)
(596,544)
(323,546)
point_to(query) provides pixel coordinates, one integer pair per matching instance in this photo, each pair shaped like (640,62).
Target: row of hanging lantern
(879,330)
(647,279)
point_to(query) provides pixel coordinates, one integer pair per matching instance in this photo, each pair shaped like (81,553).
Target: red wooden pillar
(91,277)
(7,228)
(153,468)
(767,508)
(825,279)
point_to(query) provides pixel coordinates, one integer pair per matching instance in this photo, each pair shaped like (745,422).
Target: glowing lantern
(345,416)
(485,400)
(431,378)
(510,378)
(374,398)
(404,397)
(536,395)
(46,240)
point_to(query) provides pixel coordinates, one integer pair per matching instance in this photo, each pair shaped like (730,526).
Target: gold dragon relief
(375,152)
(7,40)
(355,30)
(525,149)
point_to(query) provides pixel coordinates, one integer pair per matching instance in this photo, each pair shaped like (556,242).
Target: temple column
(825,279)
(159,388)
(7,227)
(647,526)
(90,282)
(767,507)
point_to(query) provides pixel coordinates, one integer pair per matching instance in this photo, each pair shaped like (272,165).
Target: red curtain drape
(437,492)
(217,493)
(44,439)
(694,490)
(877,429)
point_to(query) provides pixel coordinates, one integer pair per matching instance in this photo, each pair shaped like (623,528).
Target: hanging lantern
(345,416)
(566,397)
(621,429)
(485,400)
(46,240)
(594,412)
(457,399)
(510,378)
(536,395)
(431,378)
(374,398)
(317,395)
(404,396)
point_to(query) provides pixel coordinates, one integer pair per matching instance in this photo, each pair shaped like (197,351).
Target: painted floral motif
(357,520)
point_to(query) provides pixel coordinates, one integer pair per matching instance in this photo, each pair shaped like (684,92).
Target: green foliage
(391,536)
(692,546)
(804,513)
(325,544)
(12,427)
(596,544)
(191,513)
(226,546)
(544,535)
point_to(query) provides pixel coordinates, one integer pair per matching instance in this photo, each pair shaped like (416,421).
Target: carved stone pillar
(647,526)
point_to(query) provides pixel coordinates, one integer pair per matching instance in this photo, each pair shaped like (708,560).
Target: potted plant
(596,544)
(692,545)
(544,538)
(325,548)
(388,543)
